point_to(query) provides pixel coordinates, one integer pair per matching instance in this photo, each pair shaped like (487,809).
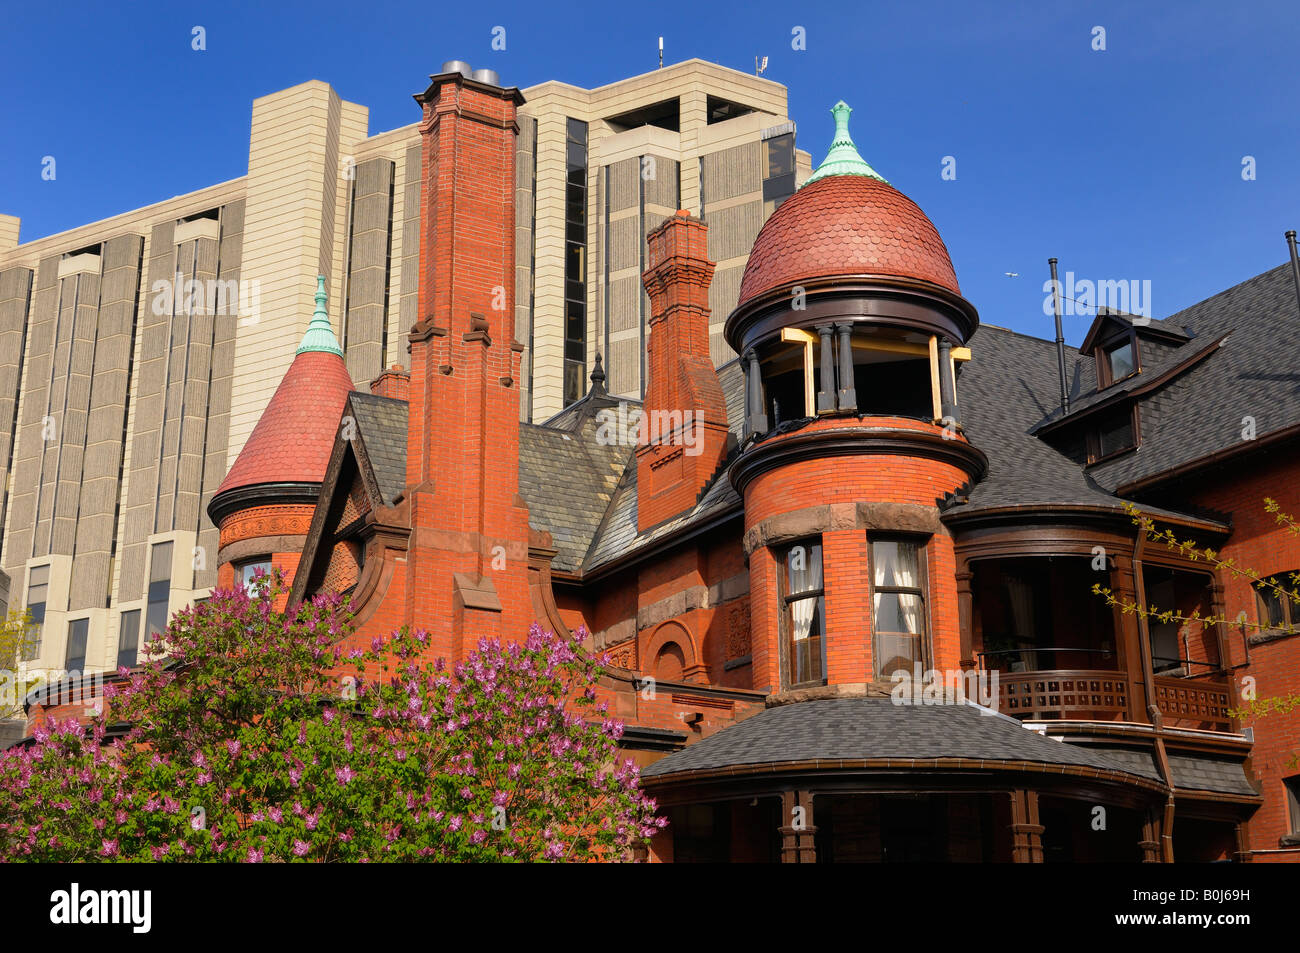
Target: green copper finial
(843,159)
(320,336)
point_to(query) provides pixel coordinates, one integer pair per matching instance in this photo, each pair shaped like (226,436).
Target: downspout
(1153,711)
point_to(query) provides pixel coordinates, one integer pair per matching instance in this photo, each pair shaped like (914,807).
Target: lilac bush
(251,735)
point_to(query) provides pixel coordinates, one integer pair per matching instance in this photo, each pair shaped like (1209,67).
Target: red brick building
(878,488)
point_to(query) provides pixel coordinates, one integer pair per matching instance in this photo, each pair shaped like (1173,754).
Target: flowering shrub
(254,737)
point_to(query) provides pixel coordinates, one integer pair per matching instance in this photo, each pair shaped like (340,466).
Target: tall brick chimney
(468,553)
(684,422)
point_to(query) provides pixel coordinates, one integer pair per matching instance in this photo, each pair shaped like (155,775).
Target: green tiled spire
(843,159)
(320,336)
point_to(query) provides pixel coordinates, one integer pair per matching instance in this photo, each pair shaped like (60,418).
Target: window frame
(252,562)
(786,599)
(1092,440)
(1291,786)
(1290,611)
(922,589)
(1105,373)
(84,623)
(32,642)
(135,636)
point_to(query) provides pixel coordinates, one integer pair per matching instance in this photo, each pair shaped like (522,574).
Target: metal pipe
(1060,337)
(1295,263)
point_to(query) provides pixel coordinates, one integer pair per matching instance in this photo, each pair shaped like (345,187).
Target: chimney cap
(488,77)
(458,66)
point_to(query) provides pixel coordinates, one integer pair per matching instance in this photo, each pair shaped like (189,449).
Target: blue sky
(1124,163)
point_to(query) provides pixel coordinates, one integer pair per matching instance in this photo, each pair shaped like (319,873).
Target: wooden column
(965,614)
(826,371)
(1128,638)
(1150,842)
(797,828)
(1026,831)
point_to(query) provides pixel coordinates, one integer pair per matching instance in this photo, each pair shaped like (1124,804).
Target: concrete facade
(137,353)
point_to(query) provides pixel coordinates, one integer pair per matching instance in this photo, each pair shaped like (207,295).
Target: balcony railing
(1193,703)
(1088,695)
(1101,694)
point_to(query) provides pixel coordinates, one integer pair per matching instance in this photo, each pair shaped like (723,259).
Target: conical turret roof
(292,441)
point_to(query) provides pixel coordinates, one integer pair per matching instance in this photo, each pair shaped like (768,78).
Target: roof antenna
(1060,337)
(1295,263)
(661,52)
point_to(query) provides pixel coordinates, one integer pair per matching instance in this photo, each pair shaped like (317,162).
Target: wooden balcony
(1096,695)
(1194,702)
(1078,694)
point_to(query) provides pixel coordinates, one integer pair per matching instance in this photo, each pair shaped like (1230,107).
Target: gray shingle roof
(382,423)
(1201,412)
(871,727)
(568,479)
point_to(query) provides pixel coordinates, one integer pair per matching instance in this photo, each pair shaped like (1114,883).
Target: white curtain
(805,578)
(896,565)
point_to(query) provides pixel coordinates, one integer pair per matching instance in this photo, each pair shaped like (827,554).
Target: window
(75,658)
(898,615)
(805,613)
(38,585)
(575,260)
(128,642)
(1117,359)
(1114,433)
(248,573)
(1276,611)
(778,170)
(160,587)
(1121,360)
(1293,801)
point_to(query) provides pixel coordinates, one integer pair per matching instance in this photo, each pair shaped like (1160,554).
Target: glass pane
(39,575)
(572,381)
(576,130)
(1270,605)
(804,566)
(75,659)
(807,620)
(248,573)
(896,563)
(1121,360)
(780,156)
(160,563)
(576,156)
(1115,436)
(128,643)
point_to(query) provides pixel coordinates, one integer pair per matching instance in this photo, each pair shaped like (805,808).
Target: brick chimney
(468,553)
(394,382)
(684,424)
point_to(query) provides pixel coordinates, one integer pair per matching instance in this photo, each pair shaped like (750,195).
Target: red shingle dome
(846,225)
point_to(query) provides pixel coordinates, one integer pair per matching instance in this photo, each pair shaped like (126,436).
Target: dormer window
(1113,434)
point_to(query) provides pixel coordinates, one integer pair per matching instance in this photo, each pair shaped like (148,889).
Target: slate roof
(846,225)
(382,424)
(872,727)
(568,478)
(1210,774)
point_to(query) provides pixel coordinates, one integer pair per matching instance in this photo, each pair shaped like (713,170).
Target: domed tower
(850,325)
(264,507)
